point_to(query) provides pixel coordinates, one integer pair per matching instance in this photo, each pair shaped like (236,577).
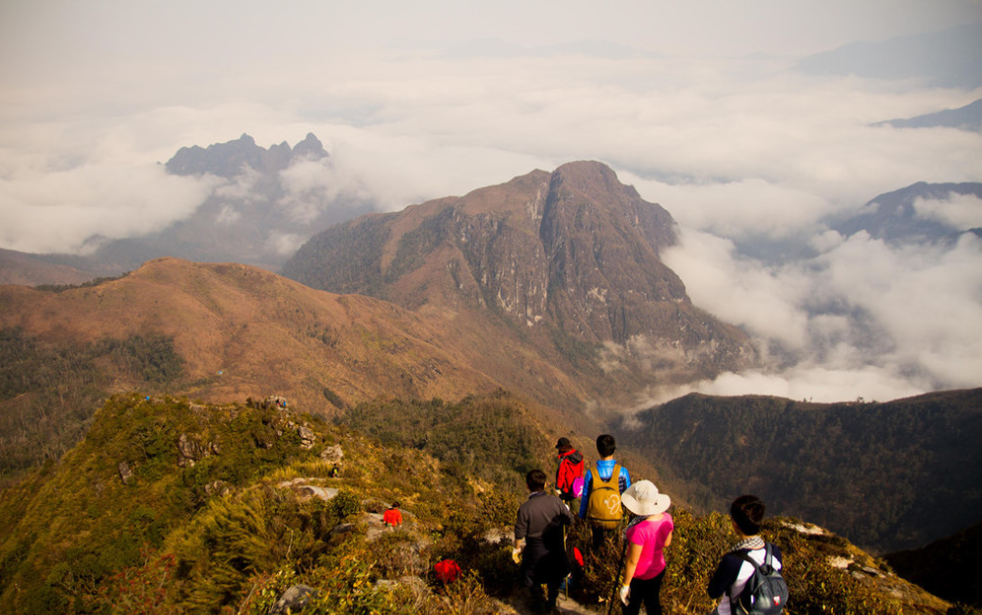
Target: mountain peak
(572,254)
(310,147)
(230,158)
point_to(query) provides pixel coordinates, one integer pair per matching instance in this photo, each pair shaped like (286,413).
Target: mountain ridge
(178,506)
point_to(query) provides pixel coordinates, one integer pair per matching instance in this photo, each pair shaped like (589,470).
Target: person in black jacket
(540,541)
(733,572)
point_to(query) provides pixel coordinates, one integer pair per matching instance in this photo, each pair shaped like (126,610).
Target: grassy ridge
(210,519)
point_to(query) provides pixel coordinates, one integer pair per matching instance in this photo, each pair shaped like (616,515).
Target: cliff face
(573,253)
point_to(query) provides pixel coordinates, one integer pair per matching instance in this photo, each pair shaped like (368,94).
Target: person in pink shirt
(648,534)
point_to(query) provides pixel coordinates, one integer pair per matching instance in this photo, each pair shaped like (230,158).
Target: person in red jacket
(392,516)
(570,469)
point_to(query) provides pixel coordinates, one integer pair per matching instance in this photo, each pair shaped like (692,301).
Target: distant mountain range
(256,215)
(950,58)
(896,218)
(968,117)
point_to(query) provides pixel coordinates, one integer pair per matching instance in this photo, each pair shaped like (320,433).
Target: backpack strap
(735,607)
(615,475)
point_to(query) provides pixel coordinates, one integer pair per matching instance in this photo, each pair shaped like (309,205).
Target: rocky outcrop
(190,450)
(125,472)
(293,600)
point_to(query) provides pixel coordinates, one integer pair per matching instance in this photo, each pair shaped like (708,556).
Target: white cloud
(862,319)
(58,211)
(816,384)
(962,211)
(283,243)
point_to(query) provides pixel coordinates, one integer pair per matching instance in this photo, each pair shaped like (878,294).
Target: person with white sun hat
(648,534)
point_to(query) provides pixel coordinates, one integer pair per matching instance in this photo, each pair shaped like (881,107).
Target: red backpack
(447,571)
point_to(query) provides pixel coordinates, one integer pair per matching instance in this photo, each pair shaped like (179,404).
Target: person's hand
(625,593)
(516,555)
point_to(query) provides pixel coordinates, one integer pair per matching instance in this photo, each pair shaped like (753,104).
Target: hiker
(733,572)
(647,535)
(540,542)
(602,486)
(393,516)
(570,469)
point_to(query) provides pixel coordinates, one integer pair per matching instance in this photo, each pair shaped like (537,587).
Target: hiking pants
(646,591)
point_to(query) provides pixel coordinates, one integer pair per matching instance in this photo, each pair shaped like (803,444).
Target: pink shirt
(651,535)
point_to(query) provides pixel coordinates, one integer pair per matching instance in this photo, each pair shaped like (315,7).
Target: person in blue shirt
(604,470)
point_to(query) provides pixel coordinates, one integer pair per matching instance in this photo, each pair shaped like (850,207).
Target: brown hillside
(246,332)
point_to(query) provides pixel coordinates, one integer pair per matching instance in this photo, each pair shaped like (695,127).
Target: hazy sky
(694,102)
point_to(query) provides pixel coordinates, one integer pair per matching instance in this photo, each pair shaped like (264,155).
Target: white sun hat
(642,498)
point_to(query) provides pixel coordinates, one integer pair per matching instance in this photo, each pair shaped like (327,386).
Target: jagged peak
(310,147)
(228,159)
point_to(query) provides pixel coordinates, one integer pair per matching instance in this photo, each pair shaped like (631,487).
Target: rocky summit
(571,255)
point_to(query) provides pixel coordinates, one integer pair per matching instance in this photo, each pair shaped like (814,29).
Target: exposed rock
(307,437)
(125,472)
(305,489)
(189,451)
(218,487)
(416,584)
(332,454)
(324,493)
(293,600)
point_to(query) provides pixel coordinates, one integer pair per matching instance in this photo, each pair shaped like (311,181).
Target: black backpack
(765,592)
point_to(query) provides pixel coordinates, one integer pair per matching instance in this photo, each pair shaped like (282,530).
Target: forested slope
(887,475)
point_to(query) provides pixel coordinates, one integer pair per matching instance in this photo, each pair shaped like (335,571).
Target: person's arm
(725,576)
(521,527)
(633,558)
(586,493)
(624,481)
(561,474)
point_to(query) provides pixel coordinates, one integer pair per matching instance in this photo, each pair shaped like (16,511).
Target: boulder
(293,600)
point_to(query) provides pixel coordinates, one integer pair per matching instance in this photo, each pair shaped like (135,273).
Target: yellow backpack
(603,507)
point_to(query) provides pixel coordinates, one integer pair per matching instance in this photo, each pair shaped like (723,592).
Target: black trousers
(645,591)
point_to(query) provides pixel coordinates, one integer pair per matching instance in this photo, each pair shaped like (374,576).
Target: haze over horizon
(697,104)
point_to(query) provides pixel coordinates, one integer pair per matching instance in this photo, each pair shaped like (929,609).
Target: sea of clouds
(737,148)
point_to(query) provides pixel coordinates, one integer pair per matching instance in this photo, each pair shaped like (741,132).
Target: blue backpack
(766,592)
